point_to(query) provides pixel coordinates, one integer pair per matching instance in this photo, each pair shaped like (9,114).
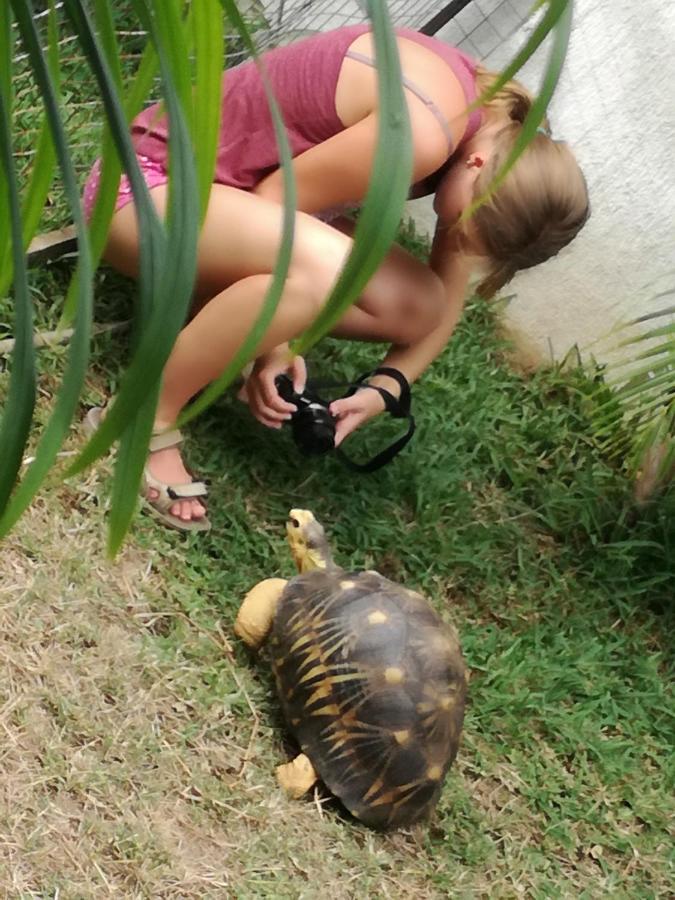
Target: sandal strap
(165,439)
(168,493)
(187,491)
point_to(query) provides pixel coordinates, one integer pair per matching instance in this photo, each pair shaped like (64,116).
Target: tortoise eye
(295,523)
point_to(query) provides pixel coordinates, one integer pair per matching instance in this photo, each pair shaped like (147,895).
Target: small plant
(637,419)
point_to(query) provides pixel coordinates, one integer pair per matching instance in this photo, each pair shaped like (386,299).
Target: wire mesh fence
(476,26)
(292,16)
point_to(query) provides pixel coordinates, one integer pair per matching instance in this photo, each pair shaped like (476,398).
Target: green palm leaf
(637,420)
(377,224)
(20,402)
(209,43)
(170,303)
(111,168)
(549,21)
(273,295)
(388,188)
(6,45)
(182,221)
(66,404)
(153,254)
(44,162)
(73,380)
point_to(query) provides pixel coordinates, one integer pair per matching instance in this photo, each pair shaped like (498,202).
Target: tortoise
(371,681)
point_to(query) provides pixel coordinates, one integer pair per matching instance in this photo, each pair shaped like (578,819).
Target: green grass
(149,769)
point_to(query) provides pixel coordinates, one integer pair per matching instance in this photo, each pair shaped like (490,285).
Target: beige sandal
(168,494)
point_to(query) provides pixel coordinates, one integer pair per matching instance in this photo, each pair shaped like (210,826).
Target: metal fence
(477,26)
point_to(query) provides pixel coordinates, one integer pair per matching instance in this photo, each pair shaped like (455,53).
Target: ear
(475,161)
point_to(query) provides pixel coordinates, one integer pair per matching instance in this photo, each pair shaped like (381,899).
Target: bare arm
(338,170)
(454,270)
(412,359)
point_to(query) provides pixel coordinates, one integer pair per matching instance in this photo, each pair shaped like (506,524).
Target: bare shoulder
(356,95)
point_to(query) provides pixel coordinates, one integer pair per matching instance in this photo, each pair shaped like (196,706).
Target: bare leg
(402,302)
(236,254)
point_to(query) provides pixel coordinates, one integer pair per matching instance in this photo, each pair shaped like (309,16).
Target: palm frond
(273,295)
(637,420)
(66,404)
(20,403)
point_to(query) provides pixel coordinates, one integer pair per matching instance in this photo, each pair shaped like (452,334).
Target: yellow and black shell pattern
(373,685)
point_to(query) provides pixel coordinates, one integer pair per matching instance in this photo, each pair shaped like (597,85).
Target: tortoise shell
(372,684)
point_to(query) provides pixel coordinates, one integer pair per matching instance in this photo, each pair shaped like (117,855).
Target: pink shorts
(153,172)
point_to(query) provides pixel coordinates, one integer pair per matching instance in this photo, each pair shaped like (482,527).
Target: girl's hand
(260,391)
(352,412)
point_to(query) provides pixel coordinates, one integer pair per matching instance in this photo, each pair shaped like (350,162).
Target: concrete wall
(616,106)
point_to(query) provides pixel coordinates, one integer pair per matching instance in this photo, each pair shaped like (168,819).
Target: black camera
(312,426)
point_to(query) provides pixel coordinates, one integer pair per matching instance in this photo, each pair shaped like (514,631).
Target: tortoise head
(307,541)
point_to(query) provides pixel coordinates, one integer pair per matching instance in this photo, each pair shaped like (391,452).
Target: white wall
(616,107)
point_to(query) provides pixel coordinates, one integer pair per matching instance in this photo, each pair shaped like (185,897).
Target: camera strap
(398,407)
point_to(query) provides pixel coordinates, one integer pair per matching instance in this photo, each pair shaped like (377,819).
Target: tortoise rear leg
(297,776)
(254,619)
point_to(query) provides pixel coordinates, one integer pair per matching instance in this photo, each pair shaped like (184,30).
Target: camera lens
(313,430)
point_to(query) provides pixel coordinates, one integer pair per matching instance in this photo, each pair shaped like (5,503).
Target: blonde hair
(542,203)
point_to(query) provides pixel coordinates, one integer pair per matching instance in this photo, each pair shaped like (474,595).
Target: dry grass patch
(125,769)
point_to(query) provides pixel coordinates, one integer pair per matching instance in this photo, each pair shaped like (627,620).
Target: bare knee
(417,307)
(312,274)
(306,288)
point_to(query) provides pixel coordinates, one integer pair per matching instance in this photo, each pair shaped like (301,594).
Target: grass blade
(280,273)
(111,167)
(140,386)
(6,55)
(76,367)
(668,311)
(78,356)
(666,363)
(649,335)
(152,245)
(20,403)
(664,348)
(388,188)
(129,464)
(44,163)
(209,42)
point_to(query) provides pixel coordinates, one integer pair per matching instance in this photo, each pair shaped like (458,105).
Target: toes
(176,509)
(187,510)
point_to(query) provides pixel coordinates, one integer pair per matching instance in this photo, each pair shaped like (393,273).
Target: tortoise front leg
(296,777)
(254,619)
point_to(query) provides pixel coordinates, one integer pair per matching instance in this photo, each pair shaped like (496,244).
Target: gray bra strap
(428,102)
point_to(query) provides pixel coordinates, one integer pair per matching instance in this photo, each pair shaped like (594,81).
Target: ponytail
(542,202)
(499,275)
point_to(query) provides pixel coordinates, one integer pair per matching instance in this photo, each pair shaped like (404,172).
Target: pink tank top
(304,77)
